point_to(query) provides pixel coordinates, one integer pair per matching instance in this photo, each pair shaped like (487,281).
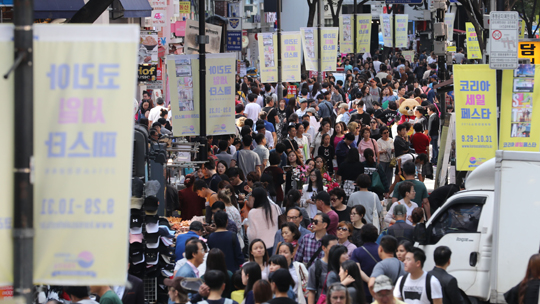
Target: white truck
(492,227)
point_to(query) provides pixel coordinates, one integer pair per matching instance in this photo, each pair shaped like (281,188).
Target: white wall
(294,14)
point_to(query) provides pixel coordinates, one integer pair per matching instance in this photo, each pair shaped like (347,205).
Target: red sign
(6,292)
(291,91)
(314,74)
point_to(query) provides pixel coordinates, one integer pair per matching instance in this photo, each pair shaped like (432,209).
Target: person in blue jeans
(433,132)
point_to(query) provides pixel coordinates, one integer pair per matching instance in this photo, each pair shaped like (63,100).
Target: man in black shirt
(271,112)
(289,142)
(361,116)
(211,177)
(401,142)
(280,281)
(388,116)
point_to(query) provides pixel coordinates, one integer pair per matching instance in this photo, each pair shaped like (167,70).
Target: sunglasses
(315,222)
(342,229)
(386,132)
(373,122)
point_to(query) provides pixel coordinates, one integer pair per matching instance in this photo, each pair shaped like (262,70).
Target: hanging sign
(473,48)
(363,37)
(290,56)
(387,29)
(268,57)
(345,33)
(309,42)
(329,48)
(402,22)
(185,7)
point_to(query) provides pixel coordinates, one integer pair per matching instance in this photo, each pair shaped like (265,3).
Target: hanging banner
(329,48)
(408,55)
(268,57)
(363,36)
(6,166)
(309,42)
(183,75)
(473,48)
(234,41)
(522,29)
(345,33)
(192,31)
(80,140)
(476,115)
(402,22)
(185,7)
(159,18)
(148,48)
(387,29)
(220,74)
(290,57)
(449,20)
(518,129)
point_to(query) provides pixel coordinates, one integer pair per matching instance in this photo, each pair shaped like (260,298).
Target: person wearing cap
(400,230)
(303,106)
(79,294)
(322,201)
(196,229)
(177,294)
(281,281)
(343,113)
(383,291)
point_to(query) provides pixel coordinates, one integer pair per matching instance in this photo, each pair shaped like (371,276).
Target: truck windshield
(460,218)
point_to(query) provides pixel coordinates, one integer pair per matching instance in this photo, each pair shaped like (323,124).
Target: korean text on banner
(309,46)
(329,36)
(408,55)
(518,130)
(473,47)
(6,166)
(402,23)
(82,151)
(476,115)
(183,75)
(345,33)
(449,20)
(185,7)
(387,29)
(268,55)
(220,75)
(363,37)
(291,56)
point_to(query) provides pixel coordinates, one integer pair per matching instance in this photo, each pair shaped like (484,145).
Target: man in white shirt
(156,111)
(267,135)
(343,113)
(376,63)
(252,108)
(303,105)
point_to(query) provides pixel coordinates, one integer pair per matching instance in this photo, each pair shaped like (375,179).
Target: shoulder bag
(376,219)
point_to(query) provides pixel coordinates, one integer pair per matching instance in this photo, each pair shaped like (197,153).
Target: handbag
(427,170)
(303,279)
(322,296)
(393,161)
(349,187)
(376,183)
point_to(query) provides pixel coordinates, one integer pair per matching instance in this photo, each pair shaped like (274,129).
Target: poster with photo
(523,85)
(522,102)
(268,44)
(148,48)
(524,70)
(310,42)
(184,84)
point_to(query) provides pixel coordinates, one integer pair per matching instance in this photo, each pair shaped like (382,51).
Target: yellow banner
(220,74)
(402,23)
(387,29)
(291,52)
(268,57)
(84,88)
(522,29)
(529,50)
(6,166)
(346,27)
(518,130)
(329,36)
(473,48)
(309,46)
(363,36)
(475,88)
(185,7)
(183,78)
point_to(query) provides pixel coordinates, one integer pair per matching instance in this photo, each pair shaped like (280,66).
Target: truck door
(456,226)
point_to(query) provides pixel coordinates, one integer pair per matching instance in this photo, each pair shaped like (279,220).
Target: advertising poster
(475,90)
(148,47)
(6,166)
(449,20)
(329,48)
(290,57)
(363,37)
(82,184)
(387,29)
(268,57)
(220,75)
(529,50)
(345,33)
(309,45)
(185,7)
(159,18)
(518,129)
(473,48)
(192,31)
(402,22)
(183,75)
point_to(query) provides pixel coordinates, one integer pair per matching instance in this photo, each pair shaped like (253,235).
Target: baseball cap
(382,282)
(323,196)
(302,100)
(137,270)
(151,257)
(135,238)
(152,239)
(136,202)
(356,69)
(164,222)
(135,226)
(311,110)
(136,253)
(151,204)
(400,210)
(137,186)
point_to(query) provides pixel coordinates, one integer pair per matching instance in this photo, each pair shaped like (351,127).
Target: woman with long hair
(313,186)
(325,128)
(339,133)
(221,167)
(527,291)
(144,110)
(282,116)
(291,108)
(292,163)
(291,235)
(349,275)
(315,91)
(320,164)
(367,98)
(302,141)
(344,234)
(226,196)
(216,261)
(327,152)
(349,170)
(358,214)
(386,152)
(251,273)
(370,167)
(367,142)
(298,271)
(258,253)
(404,246)
(337,255)
(263,219)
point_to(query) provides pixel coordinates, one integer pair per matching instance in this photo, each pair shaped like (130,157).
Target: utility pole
(279,86)
(440,30)
(202,40)
(23,217)
(319,41)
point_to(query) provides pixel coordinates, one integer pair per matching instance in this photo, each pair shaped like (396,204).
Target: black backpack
(428,286)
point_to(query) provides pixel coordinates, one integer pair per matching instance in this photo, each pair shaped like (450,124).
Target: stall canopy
(131,9)
(55,9)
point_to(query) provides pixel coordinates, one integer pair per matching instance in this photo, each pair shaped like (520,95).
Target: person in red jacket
(190,203)
(419,140)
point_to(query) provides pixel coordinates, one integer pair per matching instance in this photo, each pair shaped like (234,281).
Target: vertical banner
(309,45)
(402,23)
(473,48)
(408,55)
(329,48)
(268,57)
(387,29)
(518,130)
(522,29)
(476,115)
(82,151)
(183,75)
(345,33)
(290,57)
(449,20)
(363,35)
(6,166)
(220,75)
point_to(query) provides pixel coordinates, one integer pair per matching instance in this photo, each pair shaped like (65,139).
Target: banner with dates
(329,36)
(346,27)
(387,23)
(518,129)
(309,46)
(6,166)
(268,57)
(82,149)
(290,57)
(475,88)
(473,47)
(363,37)
(220,75)
(402,23)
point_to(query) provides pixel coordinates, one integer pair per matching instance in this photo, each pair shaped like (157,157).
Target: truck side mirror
(420,235)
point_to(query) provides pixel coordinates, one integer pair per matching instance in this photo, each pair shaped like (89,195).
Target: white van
(492,227)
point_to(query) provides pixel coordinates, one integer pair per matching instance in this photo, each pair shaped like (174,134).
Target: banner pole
(202,40)
(355,30)
(279,85)
(319,41)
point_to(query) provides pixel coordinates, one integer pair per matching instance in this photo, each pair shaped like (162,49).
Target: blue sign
(6,2)
(404,1)
(234,41)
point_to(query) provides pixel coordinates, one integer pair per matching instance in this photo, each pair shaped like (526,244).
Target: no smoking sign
(496,35)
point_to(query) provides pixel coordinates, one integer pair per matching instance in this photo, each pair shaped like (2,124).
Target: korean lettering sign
(220,94)
(290,56)
(185,7)
(529,50)
(329,36)
(402,22)
(82,152)
(476,115)
(363,38)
